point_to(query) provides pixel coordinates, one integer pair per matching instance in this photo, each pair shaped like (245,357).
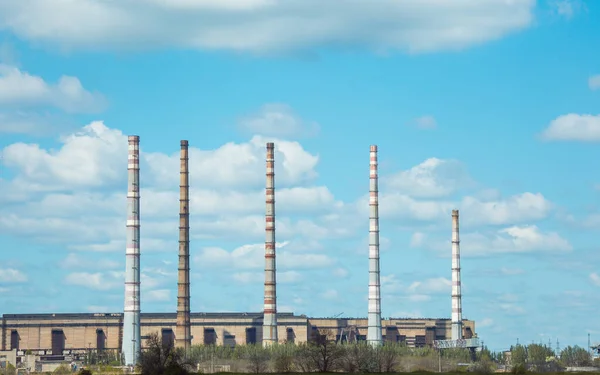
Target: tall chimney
(131,320)
(374,321)
(456,293)
(270,313)
(183,334)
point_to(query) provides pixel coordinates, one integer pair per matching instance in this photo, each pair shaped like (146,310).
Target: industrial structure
(61,334)
(182,331)
(67,334)
(270,307)
(456,290)
(374,333)
(131,317)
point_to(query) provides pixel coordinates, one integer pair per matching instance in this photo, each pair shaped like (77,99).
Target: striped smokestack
(131,319)
(183,336)
(456,293)
(374,321)
(270,314)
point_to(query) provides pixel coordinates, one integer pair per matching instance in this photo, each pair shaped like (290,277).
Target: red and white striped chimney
(270,307)
(456,288)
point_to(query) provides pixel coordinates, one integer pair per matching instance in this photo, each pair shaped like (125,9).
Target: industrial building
(62,334)
(65,334)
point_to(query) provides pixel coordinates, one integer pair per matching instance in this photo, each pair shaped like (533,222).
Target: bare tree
(359,357)
(388,357)
(324,353)
(161,358)
(258,359)
(302,360)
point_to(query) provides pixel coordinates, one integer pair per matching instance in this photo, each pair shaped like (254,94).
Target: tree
(518,359)
(359,357)
(283,357)
(388,357)
(575,356)
(538,356)
(323,352)
(258,359)
(8,370)
(162,358)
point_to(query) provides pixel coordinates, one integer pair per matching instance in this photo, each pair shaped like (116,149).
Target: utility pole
(589,345)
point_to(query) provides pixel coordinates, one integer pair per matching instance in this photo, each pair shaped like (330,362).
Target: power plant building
(62,334)
(128,331)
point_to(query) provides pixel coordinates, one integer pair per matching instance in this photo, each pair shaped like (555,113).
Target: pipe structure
(270,308)
(456,289)
(183,335)
(131,319)
(374,334)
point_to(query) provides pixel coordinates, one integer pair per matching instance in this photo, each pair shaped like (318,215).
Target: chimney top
(134,138)
(184,143)
(270,145)
(373,148)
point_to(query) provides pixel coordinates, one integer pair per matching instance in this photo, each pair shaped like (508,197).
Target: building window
(229,340)
(14,339)
(251,335)
(100,339)
(210,336)
(58,342)
(420,341)
(290,336)
(168,338)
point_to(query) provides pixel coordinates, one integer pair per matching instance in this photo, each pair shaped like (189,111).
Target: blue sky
(491,107)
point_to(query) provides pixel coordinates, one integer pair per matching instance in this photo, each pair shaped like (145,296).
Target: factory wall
(53,333)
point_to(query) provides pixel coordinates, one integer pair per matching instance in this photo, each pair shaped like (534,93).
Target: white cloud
(18,121)
(11,275)
(416,291)
(235,165)
(285,277)
(76,261)
(159,295)
(97,281)
(408,314)
(278,120)
(485,322)
(330,294)
(97,309)
(438,285)
(573,127)
(89,158)
(21,88)
(432,178)
(518,208)
(97,155)
(253,257)
(108,280)
(266,25)
(595,278)
(426,122)
(594,82)
(515,239)
(416,240)
(567,8)
(340,272)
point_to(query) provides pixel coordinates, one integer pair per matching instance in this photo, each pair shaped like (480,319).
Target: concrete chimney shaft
(270,307)
(374,334)
(456,287)
(183,336)
(131,317)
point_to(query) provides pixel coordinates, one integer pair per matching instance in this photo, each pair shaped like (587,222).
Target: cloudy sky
(488,106)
